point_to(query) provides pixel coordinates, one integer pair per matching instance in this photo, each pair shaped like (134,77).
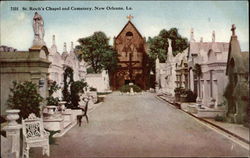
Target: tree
(52,88)
(24,96)
(96,51)
(158,45)
(76,88)
(67,80)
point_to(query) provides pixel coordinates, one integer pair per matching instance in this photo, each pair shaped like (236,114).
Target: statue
(38,27)
(213,36)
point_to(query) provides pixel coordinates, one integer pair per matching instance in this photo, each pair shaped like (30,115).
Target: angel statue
(38,27)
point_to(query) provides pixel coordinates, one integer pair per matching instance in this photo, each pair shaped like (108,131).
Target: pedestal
(13,132)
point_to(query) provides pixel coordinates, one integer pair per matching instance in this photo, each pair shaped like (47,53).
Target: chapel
(132,58)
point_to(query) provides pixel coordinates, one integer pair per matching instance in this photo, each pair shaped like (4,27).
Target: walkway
(133,126)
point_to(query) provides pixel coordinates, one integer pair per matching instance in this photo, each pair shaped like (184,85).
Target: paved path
(133,126)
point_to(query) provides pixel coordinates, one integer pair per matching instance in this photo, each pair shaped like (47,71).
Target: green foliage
(90,70)
(222,104)
(67,80)
(76,88)
(219,118)
(96,51)
(24,96)
(158,45)
(191,96)
(126,88)
(103,93)
(92,89)
(179,90)
(53,87)
(197,70)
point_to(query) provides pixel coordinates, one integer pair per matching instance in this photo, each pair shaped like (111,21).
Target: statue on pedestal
(38,27)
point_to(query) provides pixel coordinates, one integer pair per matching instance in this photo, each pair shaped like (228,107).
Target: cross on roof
(130,17)
(233,29)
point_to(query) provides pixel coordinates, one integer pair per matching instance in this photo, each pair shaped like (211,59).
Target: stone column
(13,132)
(191,80)
(157,74)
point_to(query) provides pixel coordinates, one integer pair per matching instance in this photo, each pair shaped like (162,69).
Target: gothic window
(211,56)
(232,64)
(129,34)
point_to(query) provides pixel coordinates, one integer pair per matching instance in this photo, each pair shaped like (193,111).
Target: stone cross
(130,17)
(233,29)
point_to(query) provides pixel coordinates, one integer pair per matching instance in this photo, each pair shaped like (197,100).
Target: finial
(54,40)
(213,36)
(130,17)
(192,35)
(64,47)
(72,47)
(170,46)
(233,29)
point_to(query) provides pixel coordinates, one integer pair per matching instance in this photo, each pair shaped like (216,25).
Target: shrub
(67,80)
(103,93)
(53,87)
(222,104)
(219,118)
(92,89)
(90,70)
(76,88)
(179,90)
(24,96)
(191,96)
(126,88)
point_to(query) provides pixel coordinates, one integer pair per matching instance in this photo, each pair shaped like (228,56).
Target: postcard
(124,79)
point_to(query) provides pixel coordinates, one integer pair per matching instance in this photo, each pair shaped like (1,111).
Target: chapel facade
(132,58)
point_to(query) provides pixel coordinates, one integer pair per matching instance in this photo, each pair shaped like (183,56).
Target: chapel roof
(129,23)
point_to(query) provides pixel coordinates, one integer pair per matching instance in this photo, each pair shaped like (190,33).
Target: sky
(150,17)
